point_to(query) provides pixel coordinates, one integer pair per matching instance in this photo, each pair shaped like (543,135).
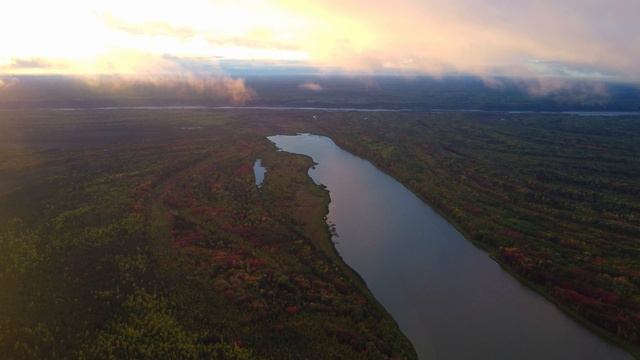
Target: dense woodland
(138,233)
(142,235)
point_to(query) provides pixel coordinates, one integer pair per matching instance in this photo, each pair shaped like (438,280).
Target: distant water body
(449,298)
(351,109)
(275,108)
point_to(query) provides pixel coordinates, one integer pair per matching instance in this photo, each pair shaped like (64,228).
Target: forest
(135,233)
(142,235)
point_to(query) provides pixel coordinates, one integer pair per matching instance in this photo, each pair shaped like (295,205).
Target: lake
(449,298)
(258,172)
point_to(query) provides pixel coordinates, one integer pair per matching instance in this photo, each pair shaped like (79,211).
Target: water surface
(258,172)
(448,297)
(349,109)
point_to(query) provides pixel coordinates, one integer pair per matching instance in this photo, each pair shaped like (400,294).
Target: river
(449,298)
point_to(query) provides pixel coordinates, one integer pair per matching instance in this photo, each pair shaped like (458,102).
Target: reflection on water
(449,298)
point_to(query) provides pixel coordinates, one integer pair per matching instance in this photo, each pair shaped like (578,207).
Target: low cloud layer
(564,90)
(222,88)
(7,83)
(311,86)
(125,89)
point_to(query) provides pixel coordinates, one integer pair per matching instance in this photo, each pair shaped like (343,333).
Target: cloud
(555,86)
(561,89)
(482,37)
(213,87)
(30,63)
(258,38)
(311,86)
(8,82)
(168,74)
(523,38)
(150,28)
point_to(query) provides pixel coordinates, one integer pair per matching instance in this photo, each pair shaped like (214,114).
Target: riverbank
(408,255)
(433,195)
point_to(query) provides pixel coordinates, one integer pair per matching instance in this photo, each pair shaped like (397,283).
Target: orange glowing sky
(575,38)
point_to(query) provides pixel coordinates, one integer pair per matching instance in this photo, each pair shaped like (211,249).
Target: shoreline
(604,334)
(334,255)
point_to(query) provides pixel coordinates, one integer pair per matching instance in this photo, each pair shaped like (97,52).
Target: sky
(595,39)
